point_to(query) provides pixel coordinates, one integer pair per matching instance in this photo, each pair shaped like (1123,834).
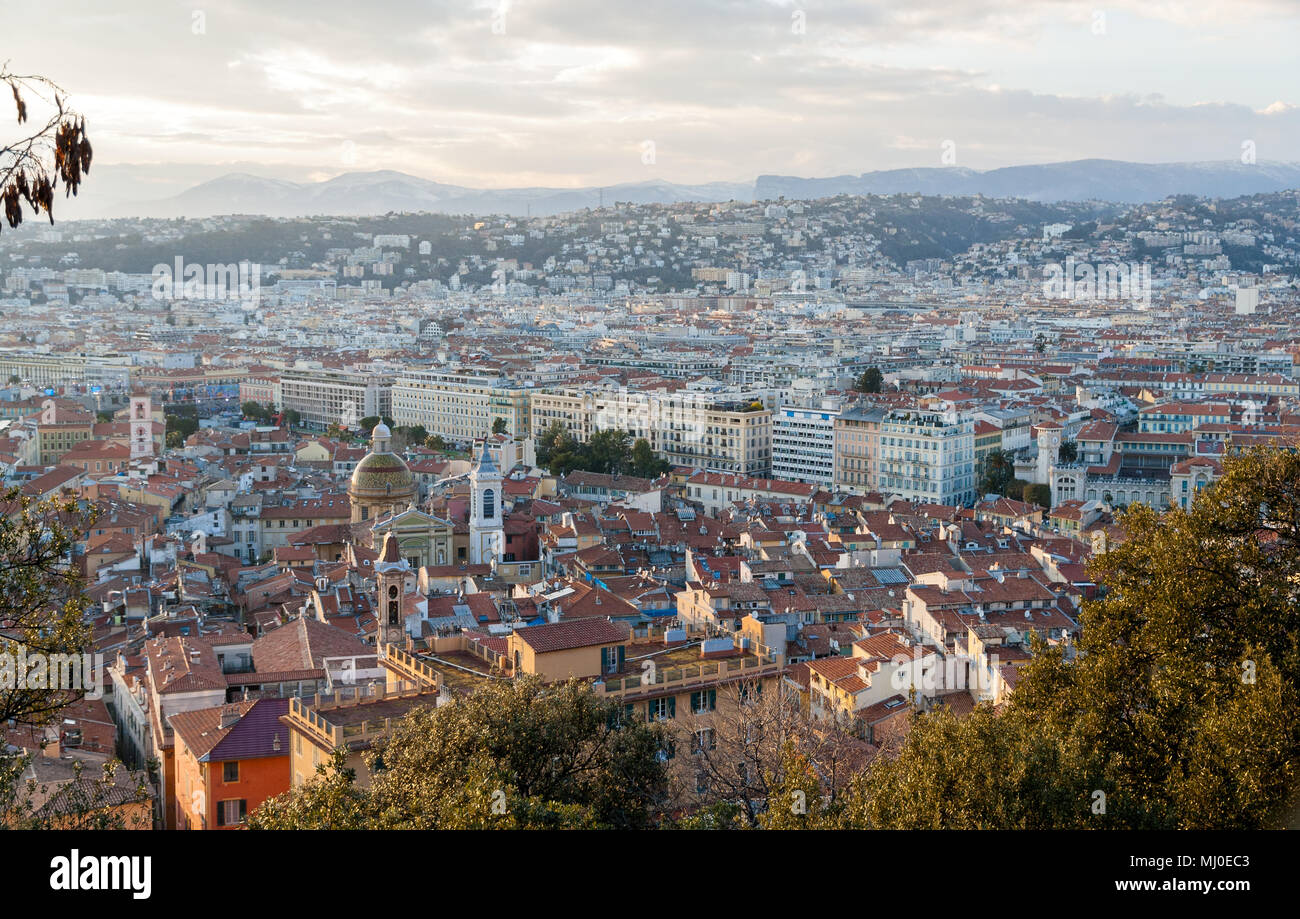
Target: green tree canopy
(252,409)
(1039,494)
(43,609)
(514,754)
(995,472)
(645,463)
(870,381)
(1177,709)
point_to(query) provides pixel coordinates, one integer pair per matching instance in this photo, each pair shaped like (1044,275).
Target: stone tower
(390,574)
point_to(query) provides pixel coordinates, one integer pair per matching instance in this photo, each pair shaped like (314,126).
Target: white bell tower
(486,530)
(1049,443)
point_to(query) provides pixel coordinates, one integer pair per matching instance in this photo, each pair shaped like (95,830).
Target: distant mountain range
(367,193)
(1080,180)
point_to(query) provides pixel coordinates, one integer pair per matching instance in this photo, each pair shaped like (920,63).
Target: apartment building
(803,443)
(460,405)
(260,387)
(42,369)
(60,427)
(725,432)
(928,456)
(325,397)
(857,449)
(689,683)
(229,759)
(279,523)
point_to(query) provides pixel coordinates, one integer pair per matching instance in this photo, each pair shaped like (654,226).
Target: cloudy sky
(572,92)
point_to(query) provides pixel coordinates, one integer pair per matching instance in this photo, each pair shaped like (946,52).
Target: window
(612,659)
(704,739)
(489,504)
(230,772)
(706,700)
(231,813)
(661,709)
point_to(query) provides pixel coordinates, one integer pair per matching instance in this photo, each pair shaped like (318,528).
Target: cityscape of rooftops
(827,416)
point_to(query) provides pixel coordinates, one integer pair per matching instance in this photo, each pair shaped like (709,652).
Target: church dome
(382,475)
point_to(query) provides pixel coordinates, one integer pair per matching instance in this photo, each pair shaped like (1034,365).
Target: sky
(595,92)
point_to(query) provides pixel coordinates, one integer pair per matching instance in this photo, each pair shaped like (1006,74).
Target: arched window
(489,504)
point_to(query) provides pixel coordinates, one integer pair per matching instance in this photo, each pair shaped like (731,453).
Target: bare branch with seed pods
(59,150)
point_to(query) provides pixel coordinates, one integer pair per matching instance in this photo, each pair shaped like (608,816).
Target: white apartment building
(721,432)
(325,397)
(803,443)
(927,456)
(460,405)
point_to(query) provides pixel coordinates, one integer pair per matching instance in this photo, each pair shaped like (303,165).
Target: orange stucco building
(229,759)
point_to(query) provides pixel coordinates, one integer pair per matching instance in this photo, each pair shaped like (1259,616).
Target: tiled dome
(382,475)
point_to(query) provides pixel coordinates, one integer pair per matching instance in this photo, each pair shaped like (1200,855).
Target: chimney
(230,715)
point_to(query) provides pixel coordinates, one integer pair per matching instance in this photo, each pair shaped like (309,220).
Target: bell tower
(485,514)
(141,425)
(1049,443)
(390,574)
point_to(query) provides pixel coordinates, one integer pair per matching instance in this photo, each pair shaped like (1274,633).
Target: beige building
(695,429)
(460,406)
(857,449)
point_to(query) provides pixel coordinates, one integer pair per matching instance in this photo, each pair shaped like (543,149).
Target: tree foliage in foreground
(111,799)
(42,612)
(42,606)
(1181,708)
(515,754)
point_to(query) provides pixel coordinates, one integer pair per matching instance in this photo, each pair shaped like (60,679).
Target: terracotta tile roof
(573,633)
(302,645)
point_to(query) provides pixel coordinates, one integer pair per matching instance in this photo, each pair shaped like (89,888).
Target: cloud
(563,92)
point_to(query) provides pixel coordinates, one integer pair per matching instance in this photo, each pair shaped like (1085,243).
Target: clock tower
(141,425)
